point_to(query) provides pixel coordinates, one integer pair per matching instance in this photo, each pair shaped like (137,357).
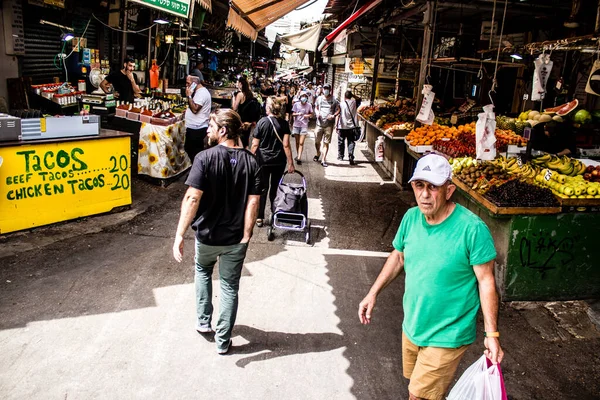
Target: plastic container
(121,113)
(146,118)
(133,116)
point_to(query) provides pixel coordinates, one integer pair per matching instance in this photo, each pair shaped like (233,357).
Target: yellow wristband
(491,334)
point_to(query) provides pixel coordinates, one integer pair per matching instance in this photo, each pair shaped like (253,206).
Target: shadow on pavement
(281,344)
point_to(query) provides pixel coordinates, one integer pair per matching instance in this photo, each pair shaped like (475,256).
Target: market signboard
(181,8)
(42,184)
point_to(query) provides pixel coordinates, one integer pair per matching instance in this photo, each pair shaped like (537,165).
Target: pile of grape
(521,194)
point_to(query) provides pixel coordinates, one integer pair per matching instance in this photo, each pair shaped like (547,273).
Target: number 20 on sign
(46,183)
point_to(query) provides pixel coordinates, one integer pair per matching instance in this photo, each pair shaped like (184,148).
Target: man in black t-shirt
(221,205)
(123,82)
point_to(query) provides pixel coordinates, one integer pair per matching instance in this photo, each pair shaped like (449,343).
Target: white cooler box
(60,127)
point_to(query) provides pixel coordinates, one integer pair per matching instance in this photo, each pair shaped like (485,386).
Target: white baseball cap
(432,168)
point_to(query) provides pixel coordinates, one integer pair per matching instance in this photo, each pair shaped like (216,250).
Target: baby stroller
(290,208)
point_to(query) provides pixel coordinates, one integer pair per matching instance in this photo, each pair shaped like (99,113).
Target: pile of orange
(427,134)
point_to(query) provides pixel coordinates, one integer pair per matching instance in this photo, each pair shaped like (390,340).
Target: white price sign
(548,176)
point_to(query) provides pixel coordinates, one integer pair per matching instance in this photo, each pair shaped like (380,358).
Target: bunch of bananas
(574,187)
(525,170)
(564,165)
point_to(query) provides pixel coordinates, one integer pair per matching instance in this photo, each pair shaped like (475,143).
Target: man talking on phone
(196,116)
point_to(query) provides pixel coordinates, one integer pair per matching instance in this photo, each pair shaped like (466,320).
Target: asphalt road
(98,308)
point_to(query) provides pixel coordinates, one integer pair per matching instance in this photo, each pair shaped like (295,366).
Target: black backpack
(251,111)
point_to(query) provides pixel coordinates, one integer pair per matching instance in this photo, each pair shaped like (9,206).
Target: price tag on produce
(548,176)
(454,119)
(519,161)
(526,96)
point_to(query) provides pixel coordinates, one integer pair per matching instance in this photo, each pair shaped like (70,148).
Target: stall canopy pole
(149,43)
(376,65)
(124,37)
(399,67)
(425,51)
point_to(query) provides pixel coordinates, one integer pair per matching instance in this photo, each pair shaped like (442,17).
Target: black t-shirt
(270,150)
(122,84)
(226,177)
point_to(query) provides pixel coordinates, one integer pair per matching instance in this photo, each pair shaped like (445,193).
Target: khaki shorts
(430,369)
(323,134)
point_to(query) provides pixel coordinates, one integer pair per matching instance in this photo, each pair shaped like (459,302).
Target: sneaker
(298,161)
(259,223)
(225,350)
(352,161)
(316,158)
(324,164)
(340,158)
(204,328)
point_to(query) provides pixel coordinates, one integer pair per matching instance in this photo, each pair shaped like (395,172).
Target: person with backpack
(271,145)
(247,106)
(347,127)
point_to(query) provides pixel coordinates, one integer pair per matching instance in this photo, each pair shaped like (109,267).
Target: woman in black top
(271,144)
(242,103)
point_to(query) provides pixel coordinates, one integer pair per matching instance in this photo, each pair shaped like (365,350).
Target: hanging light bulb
(168,39)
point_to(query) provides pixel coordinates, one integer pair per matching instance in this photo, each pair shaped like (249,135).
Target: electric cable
(495,82)
(121,30)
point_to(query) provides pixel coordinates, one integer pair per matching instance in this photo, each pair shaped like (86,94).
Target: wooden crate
(494,209)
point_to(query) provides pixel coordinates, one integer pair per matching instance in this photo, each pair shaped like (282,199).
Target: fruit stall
(544,214)
(390,123)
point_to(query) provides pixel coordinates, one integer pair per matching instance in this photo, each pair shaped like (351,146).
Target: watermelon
(582,117)
(564,109)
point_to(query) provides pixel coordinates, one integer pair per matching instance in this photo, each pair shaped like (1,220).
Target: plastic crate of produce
(133,116)
(121,113)
(161,121)
(146,118)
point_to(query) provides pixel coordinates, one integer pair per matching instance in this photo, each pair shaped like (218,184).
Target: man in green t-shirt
(447,253)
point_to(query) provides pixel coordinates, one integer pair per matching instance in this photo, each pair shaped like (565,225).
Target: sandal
(259,223)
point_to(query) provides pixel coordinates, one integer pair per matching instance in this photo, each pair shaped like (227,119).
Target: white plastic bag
(479,382)
(485,134)
(543,67)
(379,149)
(425,115)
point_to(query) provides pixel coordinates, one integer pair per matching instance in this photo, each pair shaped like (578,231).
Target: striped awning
(250,16)
(206,4)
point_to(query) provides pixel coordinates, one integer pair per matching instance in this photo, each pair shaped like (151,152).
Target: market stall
(543,236)
(57,179)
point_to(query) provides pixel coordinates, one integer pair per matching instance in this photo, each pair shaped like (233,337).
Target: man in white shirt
(196,116)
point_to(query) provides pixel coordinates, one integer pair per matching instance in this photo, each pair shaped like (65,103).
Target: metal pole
(399,68)
(425,51)
(124,37)
(149,42)
(376,65)
(597,29)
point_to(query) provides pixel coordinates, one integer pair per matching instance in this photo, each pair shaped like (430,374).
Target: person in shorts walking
(221,205)
(447,253)
(301,111)
(327,109)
